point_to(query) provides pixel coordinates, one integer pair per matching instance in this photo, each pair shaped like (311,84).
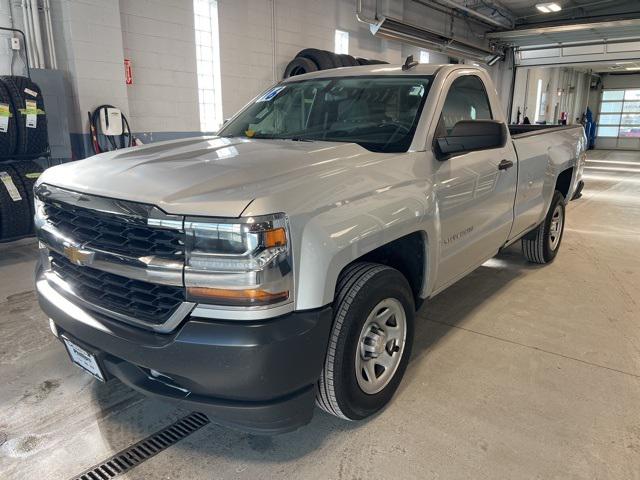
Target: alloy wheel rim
(555,228)
(381,345)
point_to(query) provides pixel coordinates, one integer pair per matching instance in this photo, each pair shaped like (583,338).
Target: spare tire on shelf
(377,62)
(323,59)
(31,121)
(15,214)
(8,128)
(362,61)
(299,66)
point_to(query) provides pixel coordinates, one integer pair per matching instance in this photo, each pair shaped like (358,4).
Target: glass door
(619,119)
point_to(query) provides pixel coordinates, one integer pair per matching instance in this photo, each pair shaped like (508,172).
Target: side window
(467,100)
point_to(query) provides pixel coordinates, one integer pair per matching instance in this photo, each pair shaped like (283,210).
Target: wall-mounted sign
(128,72)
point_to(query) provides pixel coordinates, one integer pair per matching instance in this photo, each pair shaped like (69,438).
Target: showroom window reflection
(208,64)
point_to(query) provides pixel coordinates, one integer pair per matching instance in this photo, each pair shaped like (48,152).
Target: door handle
(504,164)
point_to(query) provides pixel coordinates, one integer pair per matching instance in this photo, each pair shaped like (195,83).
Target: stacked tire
(25,132)
(23,139)
(17,179)
(313,59)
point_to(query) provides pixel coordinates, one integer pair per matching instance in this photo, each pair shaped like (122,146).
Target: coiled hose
(114,142)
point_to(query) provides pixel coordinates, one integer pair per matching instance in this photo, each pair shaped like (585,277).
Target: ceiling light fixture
(548,7)
(632,68)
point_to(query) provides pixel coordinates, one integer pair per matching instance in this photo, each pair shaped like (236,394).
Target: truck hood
(209,176)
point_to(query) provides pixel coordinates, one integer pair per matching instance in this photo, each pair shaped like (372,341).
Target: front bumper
(257,376)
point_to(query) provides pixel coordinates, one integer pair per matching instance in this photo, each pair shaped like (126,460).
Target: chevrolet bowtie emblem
(79,256)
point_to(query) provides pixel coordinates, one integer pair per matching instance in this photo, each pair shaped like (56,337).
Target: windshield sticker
(250,133)
(271,94)
(418,90)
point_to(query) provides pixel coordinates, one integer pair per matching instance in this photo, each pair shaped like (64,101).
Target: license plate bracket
(84,359)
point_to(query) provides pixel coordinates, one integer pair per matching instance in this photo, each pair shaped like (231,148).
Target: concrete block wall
(158,37)
(246,38)
(257,40)
(88,42)
(93,37)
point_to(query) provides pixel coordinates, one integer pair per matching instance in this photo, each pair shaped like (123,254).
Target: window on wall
(619,114)
(424,56)
(208,64)
(341,42)
(539,106)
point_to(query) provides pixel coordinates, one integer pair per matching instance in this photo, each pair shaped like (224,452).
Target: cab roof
(380,69)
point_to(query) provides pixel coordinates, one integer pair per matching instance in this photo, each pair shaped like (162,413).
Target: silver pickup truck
(279,264)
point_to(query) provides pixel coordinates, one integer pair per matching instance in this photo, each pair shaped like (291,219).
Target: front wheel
(542,244)
(370,341)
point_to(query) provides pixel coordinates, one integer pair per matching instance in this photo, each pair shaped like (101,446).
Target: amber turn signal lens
(247,297)
(275,238)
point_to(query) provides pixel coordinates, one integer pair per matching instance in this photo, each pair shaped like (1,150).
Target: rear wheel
(542,244)
(370,341)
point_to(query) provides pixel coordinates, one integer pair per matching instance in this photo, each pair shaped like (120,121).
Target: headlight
(40,216)
(238,262)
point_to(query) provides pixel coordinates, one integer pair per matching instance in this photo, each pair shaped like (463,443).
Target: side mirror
(469,136)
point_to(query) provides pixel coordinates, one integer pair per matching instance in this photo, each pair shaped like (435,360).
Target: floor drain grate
(134,455)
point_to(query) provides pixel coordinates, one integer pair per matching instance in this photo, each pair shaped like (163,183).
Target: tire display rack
(24,151)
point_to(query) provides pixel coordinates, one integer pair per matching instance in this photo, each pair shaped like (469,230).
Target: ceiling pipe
(486,19)
(361,18)
(401,31)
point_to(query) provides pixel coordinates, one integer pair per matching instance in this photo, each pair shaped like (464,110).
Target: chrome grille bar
(133,241)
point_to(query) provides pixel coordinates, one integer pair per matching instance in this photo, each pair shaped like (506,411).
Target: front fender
(335,237)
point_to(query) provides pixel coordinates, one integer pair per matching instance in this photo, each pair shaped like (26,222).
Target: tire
(362,61)
(31,142)
(377,62)
(27,174)
(362,288)
(9,138)
(542,244)
(299,66)
(347,60)
(323,59)
(15,215)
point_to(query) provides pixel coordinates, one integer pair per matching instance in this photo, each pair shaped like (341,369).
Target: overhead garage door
(619,119)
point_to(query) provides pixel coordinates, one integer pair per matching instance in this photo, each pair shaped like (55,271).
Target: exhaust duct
(390,28)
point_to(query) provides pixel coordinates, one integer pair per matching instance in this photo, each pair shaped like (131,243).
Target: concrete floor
(518,371)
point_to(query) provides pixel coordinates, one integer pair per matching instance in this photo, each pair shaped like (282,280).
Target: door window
(467,100)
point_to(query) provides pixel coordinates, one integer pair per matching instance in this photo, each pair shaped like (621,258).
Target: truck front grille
(145,301)
(114,233)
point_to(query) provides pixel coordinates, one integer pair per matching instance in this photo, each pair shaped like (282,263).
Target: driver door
(474,194)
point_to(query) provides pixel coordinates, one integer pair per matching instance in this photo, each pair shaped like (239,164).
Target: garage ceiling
(582,32)
(525,11)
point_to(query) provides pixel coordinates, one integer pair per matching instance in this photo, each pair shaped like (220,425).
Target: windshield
(378,113)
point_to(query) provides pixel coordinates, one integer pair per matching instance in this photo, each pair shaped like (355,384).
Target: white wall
(158,38)
(93,37)
(89,47)
(246,38)
(572,84)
